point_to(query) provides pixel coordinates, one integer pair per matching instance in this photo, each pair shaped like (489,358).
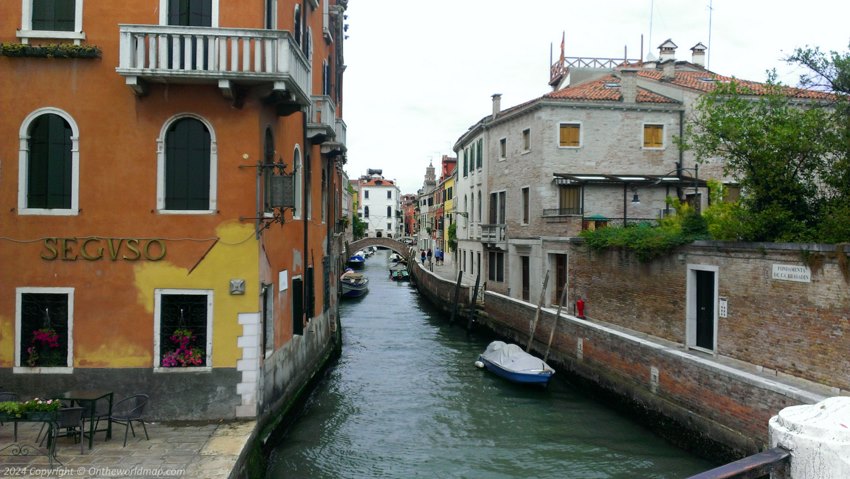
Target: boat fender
(479,364)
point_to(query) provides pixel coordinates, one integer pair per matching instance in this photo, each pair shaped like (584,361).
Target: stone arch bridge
(395,245)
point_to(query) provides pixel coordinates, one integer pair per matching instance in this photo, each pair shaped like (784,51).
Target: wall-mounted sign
(723,307)
(94,249)
(787,272)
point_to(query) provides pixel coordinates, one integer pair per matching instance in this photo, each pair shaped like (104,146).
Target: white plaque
(787,272)
(283,280)
(723,307)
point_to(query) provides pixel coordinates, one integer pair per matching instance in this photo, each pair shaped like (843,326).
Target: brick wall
(794,328)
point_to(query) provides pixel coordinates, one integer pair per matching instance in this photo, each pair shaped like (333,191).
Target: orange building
(170,189)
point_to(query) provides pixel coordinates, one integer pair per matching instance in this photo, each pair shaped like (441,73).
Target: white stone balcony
(494,235)
(322,120)
(219,56)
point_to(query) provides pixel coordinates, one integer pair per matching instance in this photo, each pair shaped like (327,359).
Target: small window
(389,211)
(496,267)
(570,135)
(366,194)
(503,148)
(479,160)
(526,139)
(389,226)
(390,194)
(298,169)
(45,324)
(183,329)
(525,206)
(466,162)
(653,136)
(365,211)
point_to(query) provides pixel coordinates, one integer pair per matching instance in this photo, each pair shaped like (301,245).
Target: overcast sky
(420,73)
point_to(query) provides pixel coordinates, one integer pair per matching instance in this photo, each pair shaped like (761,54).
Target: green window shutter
(190,13)
(480,154)
(187,166)
(50,163)
(53,15)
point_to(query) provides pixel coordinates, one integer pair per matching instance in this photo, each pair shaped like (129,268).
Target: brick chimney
(698,54)
(668,70)
(497,104)
(628,84)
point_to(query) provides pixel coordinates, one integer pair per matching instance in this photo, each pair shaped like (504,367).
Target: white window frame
(525,205)
(18,368)
(26,32)
(157,311)
(580,134)
(298,168)
(23,162)
(160,168)
(663,135)
(163,13)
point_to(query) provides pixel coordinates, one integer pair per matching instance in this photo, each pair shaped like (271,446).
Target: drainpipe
(305,178)
(681,162)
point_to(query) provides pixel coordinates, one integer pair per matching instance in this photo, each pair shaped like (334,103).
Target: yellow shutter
(570,134)
(653,136)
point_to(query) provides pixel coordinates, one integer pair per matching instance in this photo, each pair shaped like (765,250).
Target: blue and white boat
(512,363)
(357,260)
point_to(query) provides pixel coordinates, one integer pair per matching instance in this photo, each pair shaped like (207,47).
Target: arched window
(479,206)
(299,182)
(48,161)
(187,166)
(471,211)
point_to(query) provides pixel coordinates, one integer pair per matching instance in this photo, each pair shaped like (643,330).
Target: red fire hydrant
(580,308)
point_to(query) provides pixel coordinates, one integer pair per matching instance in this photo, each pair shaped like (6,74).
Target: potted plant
(184,354)
(44,349)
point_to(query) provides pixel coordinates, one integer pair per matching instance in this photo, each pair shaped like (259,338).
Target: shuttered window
(53,15)
(569,200)
(49,167)
(570,135)
(653,136)
(187,166)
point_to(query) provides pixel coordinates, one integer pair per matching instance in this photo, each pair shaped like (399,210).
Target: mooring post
(555,323)
(471,318)
(457,294)
(537,314)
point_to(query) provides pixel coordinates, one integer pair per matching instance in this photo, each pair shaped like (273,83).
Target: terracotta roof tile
(606,88)
(706,81)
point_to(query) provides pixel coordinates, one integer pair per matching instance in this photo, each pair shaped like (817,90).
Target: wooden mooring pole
(555,322)
(537,314)
(457,296)
(471,317)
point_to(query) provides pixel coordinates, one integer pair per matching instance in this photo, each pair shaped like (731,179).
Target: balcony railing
(322,118)
(493,234)
(178,54)
(341,130)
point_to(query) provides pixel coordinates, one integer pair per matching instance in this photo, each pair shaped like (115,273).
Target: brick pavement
(174,450)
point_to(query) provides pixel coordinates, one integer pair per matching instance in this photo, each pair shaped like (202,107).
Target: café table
(88,398)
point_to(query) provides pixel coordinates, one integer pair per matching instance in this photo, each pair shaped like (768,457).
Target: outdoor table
(25,449)
(88,398)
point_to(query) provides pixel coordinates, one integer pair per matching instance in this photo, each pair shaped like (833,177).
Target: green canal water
(405,401)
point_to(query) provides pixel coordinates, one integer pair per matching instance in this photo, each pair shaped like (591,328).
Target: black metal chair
(128,410)
(10,396)
(69,423)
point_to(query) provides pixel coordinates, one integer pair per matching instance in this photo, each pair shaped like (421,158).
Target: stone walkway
(174,450)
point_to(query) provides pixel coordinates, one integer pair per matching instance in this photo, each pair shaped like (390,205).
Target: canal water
(405,400)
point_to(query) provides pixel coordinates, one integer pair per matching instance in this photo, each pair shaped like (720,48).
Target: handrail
(751,467)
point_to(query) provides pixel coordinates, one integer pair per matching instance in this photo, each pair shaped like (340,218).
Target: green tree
(778,148)
(358,227)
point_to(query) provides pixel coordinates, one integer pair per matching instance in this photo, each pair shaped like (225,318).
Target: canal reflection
(405,400)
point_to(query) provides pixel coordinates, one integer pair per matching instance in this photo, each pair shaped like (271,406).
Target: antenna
(651,9)
(708,57)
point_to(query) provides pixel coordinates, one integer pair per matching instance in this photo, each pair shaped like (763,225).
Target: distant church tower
(430,178)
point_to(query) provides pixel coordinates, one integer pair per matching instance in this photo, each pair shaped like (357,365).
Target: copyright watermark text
(89,471)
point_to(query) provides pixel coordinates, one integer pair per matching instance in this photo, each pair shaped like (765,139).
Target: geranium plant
(40,405)
(184,354)
(44,349)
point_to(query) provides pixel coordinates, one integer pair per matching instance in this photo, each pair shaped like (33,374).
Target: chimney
(628,84)
(667,51)
(698,54)
(668,70)
(497,104)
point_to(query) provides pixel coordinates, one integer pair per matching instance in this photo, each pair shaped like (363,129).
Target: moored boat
(357,260)
(353,284)
(512,363)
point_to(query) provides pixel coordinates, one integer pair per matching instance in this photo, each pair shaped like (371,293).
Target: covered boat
(353,284)
(512,363)
(357,260)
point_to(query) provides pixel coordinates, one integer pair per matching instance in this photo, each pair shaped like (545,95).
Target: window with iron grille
(45,325)
(183,328)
